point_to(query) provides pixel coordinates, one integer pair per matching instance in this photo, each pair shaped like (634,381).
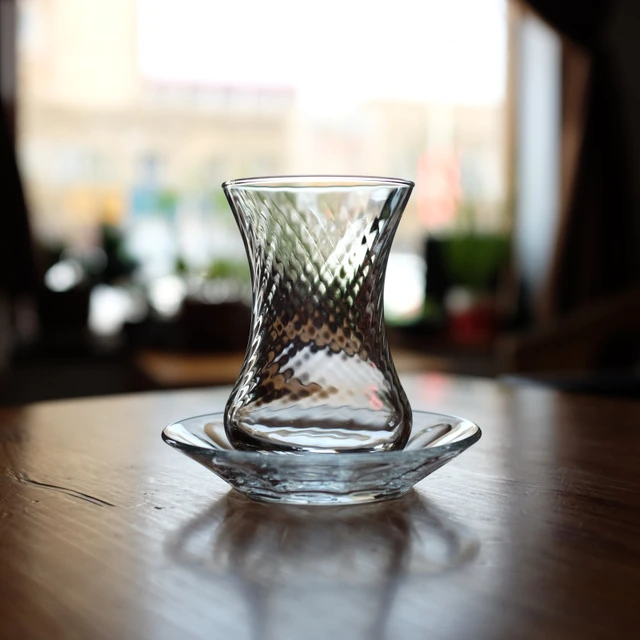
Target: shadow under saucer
(349,560)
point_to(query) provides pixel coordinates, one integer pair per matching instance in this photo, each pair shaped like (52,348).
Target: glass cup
(317,374)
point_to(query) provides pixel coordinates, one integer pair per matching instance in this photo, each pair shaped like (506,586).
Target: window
(132,113)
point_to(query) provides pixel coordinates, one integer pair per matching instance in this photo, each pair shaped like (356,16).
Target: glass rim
(319,181)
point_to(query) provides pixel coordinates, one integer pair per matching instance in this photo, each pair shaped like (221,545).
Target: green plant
(474,260)
(228,269)
(118,264)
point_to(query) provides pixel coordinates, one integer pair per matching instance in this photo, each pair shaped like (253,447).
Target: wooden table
(105,532)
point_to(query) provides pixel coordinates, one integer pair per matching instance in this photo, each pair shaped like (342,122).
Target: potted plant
(473,261)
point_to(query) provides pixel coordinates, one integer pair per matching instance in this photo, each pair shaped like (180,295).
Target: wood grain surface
(105,532)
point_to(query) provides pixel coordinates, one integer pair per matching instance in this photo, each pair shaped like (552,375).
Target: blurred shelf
(173,370)
(170,369)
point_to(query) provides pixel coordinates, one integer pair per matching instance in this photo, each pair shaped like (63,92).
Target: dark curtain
(596,248)
(17,273)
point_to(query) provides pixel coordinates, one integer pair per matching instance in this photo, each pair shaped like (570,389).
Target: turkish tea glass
(318,375)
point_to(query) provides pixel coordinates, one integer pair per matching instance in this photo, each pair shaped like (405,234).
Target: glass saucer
(324,478)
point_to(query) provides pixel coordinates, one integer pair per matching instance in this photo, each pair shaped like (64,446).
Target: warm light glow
(335,54)
(63,276)
(405,284)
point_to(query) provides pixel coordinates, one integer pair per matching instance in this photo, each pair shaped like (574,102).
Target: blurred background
(121,268)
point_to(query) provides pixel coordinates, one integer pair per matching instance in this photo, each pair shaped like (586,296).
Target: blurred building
(102,142)
(92,127)
(454,153)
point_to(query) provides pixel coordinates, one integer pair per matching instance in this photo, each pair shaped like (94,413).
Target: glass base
(324,478)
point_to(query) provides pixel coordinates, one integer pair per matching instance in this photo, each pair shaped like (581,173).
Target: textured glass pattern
(318,375)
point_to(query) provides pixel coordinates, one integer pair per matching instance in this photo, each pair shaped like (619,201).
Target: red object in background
(475,325)
(439,191)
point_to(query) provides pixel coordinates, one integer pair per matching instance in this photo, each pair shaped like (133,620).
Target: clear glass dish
(324,478)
